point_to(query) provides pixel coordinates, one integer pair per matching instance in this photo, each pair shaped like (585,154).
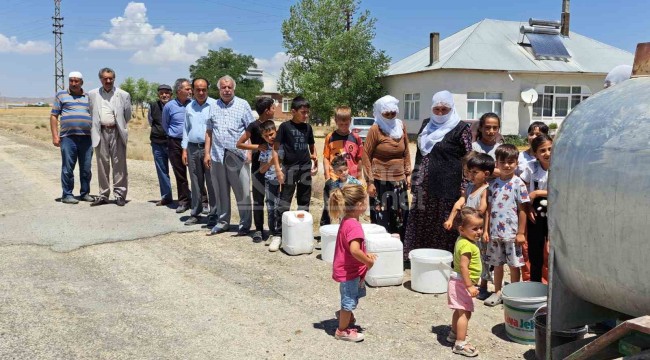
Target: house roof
(494,45)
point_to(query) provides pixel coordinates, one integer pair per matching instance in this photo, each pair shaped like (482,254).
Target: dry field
(35,123)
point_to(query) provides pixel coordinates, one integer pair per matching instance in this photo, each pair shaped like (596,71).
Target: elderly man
(229,167)
(73,138)
(111,111)
(197,114)
(158,139)
(173,120)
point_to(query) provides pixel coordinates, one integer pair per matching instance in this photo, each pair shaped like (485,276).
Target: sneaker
(69,200)
(276,241)
(348,335)
(257,237)
(193,220)
(206,209)
(87,198)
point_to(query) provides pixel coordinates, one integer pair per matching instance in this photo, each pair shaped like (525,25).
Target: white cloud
(11,45)
(272,68)
(152,45)
(101,44)
(176,47)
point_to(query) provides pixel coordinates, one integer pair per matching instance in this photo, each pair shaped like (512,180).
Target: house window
(412,106)
(286,105)
(479,103)
(556,102)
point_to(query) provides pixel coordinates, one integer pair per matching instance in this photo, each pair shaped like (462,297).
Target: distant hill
(25,100)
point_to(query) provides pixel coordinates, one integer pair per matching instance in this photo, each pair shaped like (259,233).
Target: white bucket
(430,270)
(520,301)
(328,235)
(389,266)
(297,236)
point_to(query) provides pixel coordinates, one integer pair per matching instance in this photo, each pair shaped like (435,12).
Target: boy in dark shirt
(296,138)
(265,108)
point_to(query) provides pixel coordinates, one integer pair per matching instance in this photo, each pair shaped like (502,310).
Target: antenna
(59,83)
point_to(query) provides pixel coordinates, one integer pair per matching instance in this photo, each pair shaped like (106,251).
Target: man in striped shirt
(73,138)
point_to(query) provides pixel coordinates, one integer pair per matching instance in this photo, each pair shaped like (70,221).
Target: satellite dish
(529,96)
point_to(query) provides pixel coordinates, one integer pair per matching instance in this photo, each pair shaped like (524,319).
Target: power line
(58,47)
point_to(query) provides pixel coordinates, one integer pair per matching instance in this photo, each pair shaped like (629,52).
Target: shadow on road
(441,332)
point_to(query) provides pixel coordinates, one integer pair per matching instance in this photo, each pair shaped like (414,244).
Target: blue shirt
(265,157)
(173,118)
(195,118)
(338,184)
(228,122)
(75,114)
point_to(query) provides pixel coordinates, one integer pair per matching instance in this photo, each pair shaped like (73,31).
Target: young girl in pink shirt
(351,262)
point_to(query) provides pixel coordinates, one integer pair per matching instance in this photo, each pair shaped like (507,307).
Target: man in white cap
(73,137)
(110,108)
(159,141)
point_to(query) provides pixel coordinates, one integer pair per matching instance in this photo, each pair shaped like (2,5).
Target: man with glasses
(110,108)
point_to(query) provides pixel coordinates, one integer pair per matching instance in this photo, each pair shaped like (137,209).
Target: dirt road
(132,283)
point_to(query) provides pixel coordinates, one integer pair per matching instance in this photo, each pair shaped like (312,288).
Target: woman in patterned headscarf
(387,167)
(443,140)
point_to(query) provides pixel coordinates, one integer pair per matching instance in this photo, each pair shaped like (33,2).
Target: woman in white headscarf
(387,167)
(443,141)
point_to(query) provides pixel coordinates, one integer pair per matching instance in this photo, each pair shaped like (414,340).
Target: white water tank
(297,236)
(328,235)
(599,200)
(388,269)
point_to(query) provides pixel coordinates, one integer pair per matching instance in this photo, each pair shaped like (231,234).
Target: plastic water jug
(389,266)
(430,269)
(297,236)
(328,235)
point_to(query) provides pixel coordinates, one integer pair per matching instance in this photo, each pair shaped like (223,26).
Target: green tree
(141,94)
(222,62)
(330,64)
(153,92)
(129,86)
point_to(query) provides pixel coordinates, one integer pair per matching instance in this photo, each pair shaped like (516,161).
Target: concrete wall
(515,114)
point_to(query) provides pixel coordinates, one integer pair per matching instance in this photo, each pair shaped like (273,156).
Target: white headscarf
(439,125)
(618,75)
(392,127)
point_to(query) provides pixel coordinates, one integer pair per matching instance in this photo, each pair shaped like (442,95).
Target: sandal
(494,300)
(465,350)
(451,338)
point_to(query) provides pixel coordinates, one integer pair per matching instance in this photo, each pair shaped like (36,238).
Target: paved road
(125,283)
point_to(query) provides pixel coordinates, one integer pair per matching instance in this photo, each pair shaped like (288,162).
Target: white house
(488,65)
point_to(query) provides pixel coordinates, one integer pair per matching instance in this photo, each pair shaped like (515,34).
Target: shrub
(515,140)
(552,126)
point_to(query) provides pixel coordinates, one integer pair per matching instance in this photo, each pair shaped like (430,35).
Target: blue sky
(158,40)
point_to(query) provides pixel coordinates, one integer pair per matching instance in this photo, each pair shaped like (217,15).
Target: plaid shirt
(228,122)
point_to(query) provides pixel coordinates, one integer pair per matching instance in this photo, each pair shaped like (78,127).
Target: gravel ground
(170,295)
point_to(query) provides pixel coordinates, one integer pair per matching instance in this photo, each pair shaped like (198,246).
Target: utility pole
(59,83)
